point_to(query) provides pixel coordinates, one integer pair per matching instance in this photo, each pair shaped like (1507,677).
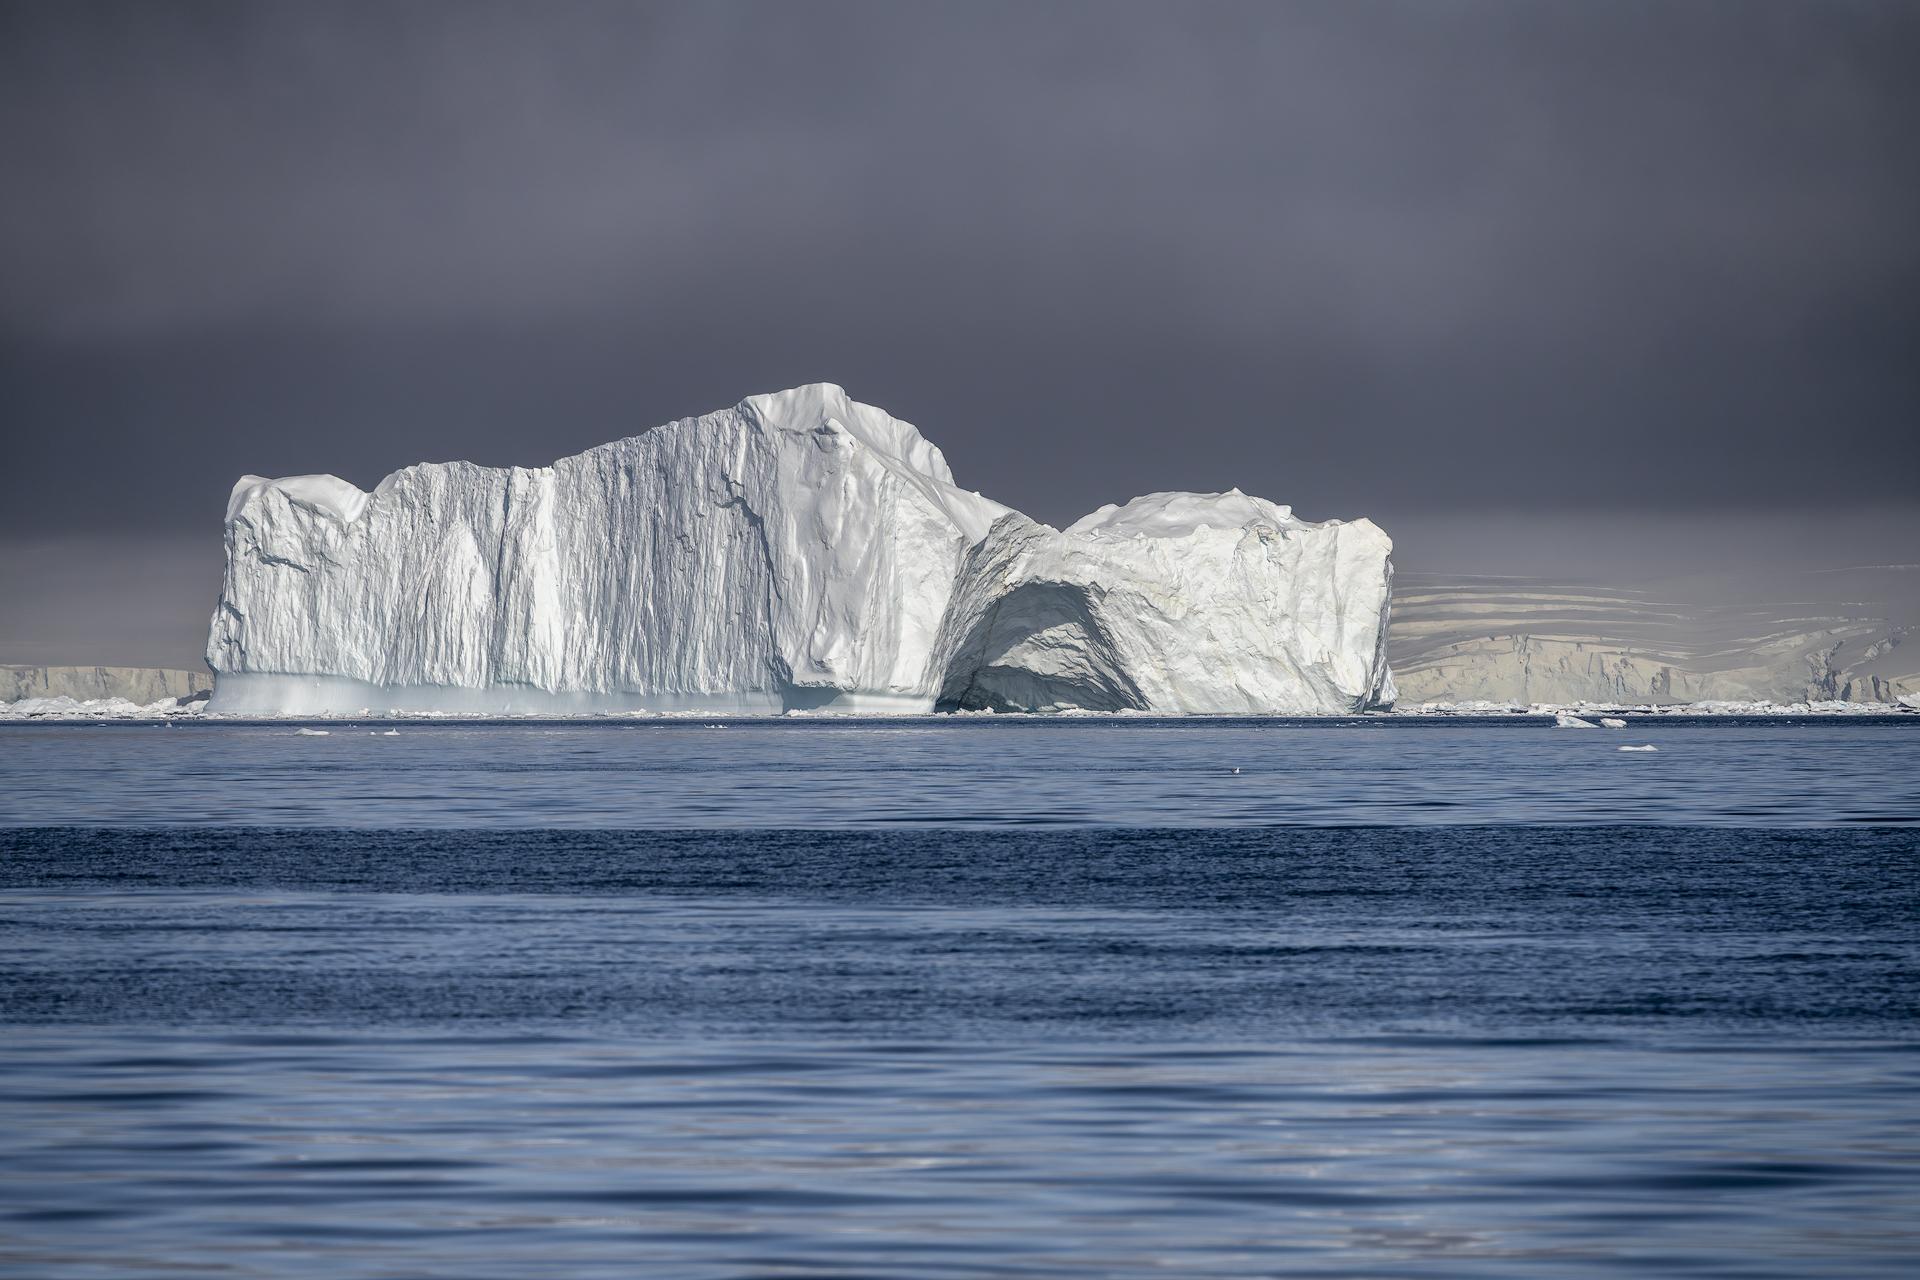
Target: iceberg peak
(341,499)
(1179,515)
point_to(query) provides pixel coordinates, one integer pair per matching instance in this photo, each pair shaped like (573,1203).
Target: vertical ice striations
(1175,602)
(797,550)
(800,550)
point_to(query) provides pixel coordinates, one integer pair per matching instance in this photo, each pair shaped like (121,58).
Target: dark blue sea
(960,998)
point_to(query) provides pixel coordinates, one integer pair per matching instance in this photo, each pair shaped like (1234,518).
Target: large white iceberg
(1175,602)
(798,551)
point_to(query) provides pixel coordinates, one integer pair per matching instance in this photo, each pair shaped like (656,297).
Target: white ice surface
(1175,602)
(339,498)
(797,550)
(800,552)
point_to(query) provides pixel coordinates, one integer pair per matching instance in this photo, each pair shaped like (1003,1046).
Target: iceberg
(796,550)
(1174,603)
(799,552)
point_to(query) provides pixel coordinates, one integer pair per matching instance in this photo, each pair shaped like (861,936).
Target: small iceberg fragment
(1567,720)
(1648,747)
(310,733)
(1613,722)
(391,733)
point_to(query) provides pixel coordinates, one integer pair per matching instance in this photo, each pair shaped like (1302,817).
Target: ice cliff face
(800,550)
(796,550)
(1176,602)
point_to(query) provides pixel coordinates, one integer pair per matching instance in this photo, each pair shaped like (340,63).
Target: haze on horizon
(1559,289)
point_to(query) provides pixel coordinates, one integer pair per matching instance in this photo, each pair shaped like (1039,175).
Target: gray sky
(1536,285)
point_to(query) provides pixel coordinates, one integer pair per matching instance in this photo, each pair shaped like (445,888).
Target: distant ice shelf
(136,685)
(1838,636)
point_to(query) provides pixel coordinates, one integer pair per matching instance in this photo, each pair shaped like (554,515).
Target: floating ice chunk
(64,707)
(1567,720)
(1648,747)
(1613,722)
(311,733)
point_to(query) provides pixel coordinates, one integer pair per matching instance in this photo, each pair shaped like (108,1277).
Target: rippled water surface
(970,1000)
(950,771)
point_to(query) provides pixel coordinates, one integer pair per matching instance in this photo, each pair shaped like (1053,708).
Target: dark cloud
(1420,261)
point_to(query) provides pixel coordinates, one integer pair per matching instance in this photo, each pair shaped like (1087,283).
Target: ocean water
(960,999)
(963,772)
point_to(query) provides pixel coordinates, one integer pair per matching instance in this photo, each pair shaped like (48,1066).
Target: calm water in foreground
(960,999)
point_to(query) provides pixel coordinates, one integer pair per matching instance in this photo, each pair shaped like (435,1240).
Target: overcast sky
(1532,284)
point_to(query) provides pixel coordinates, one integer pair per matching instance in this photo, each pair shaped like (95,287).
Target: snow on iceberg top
(1178,515)
(823,404)
(819,407)
(1181,515)
(339,498)
(825,408)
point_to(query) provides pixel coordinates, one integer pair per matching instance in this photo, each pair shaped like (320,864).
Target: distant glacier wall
(798,551)
(1792,637)
(135,684)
